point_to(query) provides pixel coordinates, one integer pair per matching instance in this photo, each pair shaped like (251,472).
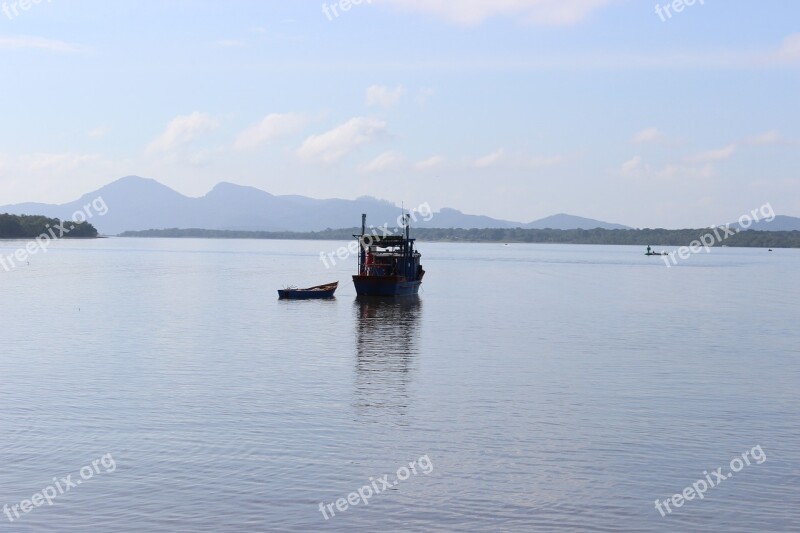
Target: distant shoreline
(632,237)
(64,238)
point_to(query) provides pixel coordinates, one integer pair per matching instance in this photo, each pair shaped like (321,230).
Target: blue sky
(516,109)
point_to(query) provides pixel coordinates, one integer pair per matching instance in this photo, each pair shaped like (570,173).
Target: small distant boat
(320,292)
(650,252)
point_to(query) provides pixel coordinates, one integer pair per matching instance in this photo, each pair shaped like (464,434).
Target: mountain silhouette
(136,203)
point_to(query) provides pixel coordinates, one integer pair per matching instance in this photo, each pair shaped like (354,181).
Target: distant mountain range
(136,204)
(779,223)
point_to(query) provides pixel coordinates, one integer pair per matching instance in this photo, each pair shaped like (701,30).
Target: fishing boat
(320,292)
(388,265)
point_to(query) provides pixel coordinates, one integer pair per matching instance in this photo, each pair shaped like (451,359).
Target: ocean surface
(530,387)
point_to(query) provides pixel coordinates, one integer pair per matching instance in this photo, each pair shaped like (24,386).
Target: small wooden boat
(319,292)
(656,253)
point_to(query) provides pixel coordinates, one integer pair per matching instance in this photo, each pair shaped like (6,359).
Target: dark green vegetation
(640,237)
(30,227)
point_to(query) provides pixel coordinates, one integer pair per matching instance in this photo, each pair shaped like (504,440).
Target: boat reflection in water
(387,345)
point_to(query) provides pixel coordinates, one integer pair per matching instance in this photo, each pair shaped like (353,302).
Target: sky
(637,112)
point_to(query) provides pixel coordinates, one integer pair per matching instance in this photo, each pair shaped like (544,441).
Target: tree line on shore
(640,237)
(32,226)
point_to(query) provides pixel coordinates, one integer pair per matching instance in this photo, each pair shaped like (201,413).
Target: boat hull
(304,295)
(320,292)
(385,286)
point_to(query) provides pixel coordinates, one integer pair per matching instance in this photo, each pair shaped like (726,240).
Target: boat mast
(362,253)
(407,246)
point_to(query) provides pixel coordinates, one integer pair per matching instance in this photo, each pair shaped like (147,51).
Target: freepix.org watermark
(366,492)
(424,211)
(42,242)
(59,488)
(676,6)
(720,233)
(342,6)
(12,9)
(698,488)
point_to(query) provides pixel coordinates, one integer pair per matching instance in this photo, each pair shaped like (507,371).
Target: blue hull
(320,292)
(305,295)
(385,286)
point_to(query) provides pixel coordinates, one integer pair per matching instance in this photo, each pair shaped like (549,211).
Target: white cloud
(38,43)
(636,167)
(382,163)
(272,127)
(380,95)
(632,166)
(768,137)
(720,154)
(687,171)
(98,132)
(52,165)
(182,130)
(57,163)
(491,159)
(340,141)
(431,162)
(517,161)
(773,137)
(543,161)
(648,135)
(474,12)
(789,52)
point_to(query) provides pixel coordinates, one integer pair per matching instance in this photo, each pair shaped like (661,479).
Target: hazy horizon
(571,216)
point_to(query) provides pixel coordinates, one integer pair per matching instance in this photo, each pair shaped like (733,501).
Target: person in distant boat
(649,250)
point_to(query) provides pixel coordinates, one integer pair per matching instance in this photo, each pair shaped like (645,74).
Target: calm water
(550,387)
